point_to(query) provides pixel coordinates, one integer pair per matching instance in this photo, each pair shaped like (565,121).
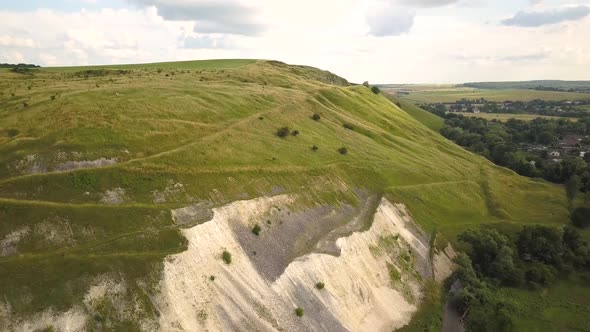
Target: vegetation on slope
(177,134)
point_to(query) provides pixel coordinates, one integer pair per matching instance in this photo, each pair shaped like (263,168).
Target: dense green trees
(499,142)
(535,256)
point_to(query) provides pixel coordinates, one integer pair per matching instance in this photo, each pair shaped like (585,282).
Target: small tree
(299,312)
(226,256)
(316,117)
(343,150)
(256,230)
(375,90)
(581,217)
(366,83)
(295,132)
(320,285)
(314,148)
(283,132)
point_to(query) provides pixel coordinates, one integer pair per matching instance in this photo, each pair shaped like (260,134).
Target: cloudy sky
(383,41)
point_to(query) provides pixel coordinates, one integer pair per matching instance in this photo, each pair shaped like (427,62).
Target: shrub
(348,126)
(314,148)
(52,97)
(581,217)
(295,132)
(212,278)
(12,132)
(343,150)
(375,90)
(398,104)
(283,132)
(226,256)
(256,230)
(320,285)
(366,83)
(25,104)
(299,312)
(316,117)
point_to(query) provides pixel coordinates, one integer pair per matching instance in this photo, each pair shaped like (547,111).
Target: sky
(381,41)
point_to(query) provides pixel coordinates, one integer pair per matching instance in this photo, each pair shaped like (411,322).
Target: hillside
(426,118)
(110,176)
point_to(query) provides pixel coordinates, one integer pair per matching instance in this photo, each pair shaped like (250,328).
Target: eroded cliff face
(371,259)
(373,283)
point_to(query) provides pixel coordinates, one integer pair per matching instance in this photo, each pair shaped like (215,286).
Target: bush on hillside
(366,83)
(11,132)
(343,150)
(226,256)
(581,217)
(283,132)
(299,312)
(314,148)
(375,90)
(316,117)
(348,126)
(320,285)
(295,132)
(256,230)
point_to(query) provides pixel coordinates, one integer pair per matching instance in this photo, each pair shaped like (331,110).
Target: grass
(211,127)
(563,307)
(506,116)
(426,118)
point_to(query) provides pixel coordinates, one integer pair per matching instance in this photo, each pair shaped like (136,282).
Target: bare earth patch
(114,196)
(9,244)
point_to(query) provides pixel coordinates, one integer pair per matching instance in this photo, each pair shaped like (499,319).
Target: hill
(108,175)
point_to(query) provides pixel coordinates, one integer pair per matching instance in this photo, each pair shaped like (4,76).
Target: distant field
(506,116)
(557,84)
(452,95)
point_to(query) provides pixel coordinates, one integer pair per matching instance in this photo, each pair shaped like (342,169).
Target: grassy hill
(426,118)
(92,159)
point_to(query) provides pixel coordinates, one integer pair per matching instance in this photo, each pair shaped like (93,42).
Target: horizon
(434,41)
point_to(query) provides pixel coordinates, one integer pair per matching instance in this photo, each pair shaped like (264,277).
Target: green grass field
(506,116)
(449,95)
(211,126)
(426,118)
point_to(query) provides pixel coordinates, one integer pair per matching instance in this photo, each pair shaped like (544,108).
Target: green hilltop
(169,135)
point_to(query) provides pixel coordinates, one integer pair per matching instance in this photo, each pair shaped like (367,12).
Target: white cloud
(437,44)
(546,17)
(9,41)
